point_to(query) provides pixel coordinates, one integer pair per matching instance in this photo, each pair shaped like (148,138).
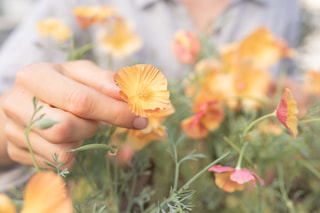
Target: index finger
(48,83)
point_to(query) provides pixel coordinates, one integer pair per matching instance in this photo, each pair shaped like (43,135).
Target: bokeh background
(12,12)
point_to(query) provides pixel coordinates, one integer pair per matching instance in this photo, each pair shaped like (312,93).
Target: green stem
(26,134)
(94,146)
(130,198)
(177,165)
(245,132)
(115,181)
(228,141)
(310,120)
(283,191)
(238,167)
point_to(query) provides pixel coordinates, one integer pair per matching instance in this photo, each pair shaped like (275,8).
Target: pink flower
(230,179)
(186,47)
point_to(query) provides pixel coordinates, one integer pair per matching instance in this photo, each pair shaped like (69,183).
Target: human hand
(78,94)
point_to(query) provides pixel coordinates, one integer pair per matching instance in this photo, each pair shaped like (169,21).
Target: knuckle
(79,102)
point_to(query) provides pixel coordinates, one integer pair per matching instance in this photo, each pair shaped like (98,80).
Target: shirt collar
(142,4)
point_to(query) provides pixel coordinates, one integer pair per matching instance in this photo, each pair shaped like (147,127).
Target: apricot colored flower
(186,47)
(260,47)
(264,48)
(250,86)
(287,112)
(119,39)
(46,192)
(144,88)
(155,131)
(208,117)
(54,28)
(89,15)
(230,179)
(6,206)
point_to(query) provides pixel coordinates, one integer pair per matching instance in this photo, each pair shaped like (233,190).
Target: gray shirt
(156,21)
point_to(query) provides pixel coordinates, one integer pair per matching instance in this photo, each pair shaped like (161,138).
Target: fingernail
(140,122)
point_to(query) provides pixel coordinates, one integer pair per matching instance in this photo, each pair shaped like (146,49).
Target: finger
(81,100)
(93,76)
(69,128)
(23,157)
(40,146)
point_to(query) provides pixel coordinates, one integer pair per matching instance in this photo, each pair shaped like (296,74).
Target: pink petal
(219,168)
(259,179)
(242,176)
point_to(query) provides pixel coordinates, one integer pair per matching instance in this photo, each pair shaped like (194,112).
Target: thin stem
(130,198)
(245,132)
(94,146)
(26,134)
(238,167)
(115,181)
(228,141)
(177,165)
(284,195)
(310,120)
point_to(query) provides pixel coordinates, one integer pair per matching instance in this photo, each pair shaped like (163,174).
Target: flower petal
(224,182)
(219,168)
(144,87)
(287,112)
(242,176)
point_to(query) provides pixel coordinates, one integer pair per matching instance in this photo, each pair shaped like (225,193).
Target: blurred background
(12,13)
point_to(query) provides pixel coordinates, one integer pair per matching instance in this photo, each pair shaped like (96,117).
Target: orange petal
(287,112)
(46,192)
(144,87)
(224,182)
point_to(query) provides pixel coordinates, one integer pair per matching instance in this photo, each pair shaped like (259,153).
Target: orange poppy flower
(54,28)
(144,88)
(208,117)
(251,85)
(287,112)
(230,179)
(86,16)
(264,48)
(46,192)
(118,39)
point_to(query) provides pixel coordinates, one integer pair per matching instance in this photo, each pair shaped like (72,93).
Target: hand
(77,94)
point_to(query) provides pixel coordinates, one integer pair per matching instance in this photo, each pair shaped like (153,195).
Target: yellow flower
(54,28)
(86,16)
(144,88)
(118,39)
